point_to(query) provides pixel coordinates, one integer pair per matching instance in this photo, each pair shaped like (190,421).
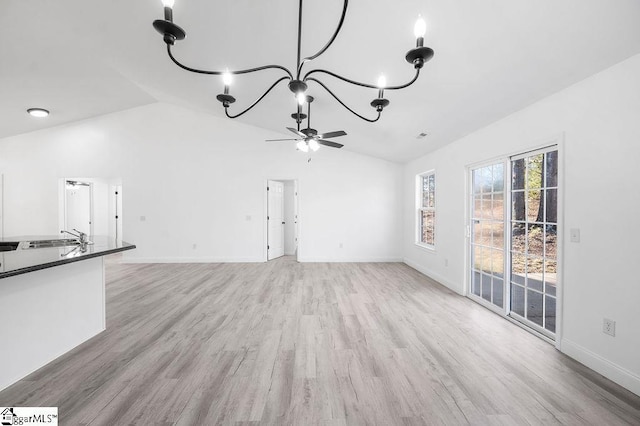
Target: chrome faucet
(81,236)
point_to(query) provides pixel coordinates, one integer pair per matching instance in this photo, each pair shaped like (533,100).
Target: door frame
(558,142)
(62,221)
(265,226)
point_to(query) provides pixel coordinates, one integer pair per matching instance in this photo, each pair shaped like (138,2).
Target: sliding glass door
(487,233)
(516,275)
(534,230)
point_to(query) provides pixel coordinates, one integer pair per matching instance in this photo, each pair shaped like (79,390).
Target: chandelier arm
(345,105)
(249,70)
(402,86)
(333,38)
(257,101)
(357,83)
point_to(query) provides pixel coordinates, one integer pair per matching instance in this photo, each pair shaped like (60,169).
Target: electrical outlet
(195,246)
(446,262)
(341,245)
(609,327)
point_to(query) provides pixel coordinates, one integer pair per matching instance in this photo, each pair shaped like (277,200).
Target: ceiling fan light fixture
(302,146)
(313,145)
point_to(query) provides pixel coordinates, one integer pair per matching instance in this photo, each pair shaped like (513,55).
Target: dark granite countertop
(22,261)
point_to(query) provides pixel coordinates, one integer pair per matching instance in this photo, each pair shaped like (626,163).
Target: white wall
(199,181)
(598,119)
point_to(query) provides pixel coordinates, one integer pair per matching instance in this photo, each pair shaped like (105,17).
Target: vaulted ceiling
(82,58)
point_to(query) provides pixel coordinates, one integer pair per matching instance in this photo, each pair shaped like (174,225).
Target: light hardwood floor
(285,343)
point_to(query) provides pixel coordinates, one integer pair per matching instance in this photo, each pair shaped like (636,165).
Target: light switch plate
(574,235)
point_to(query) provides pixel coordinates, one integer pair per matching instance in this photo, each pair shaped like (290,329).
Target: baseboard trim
(350,260)
(620,375)
(191,260)
(255,260)
(436,277)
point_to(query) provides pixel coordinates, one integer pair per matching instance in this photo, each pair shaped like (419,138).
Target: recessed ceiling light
(38,112)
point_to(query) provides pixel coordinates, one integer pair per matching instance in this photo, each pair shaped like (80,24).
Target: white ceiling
(83,58)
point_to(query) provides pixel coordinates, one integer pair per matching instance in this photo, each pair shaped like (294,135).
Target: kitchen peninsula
(52,298)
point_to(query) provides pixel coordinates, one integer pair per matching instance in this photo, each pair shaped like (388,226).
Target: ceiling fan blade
(292,130)
(278,140)
(333,134)
(329,143)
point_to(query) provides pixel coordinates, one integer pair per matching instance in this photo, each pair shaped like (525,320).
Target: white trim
(350,260)
(427,247)
(560,241)
(612,371)
(433,276)
(260,260)
(192,260)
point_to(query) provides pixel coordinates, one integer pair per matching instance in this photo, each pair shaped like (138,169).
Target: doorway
(513,238)
(91,205)
(78,206)
(282,218)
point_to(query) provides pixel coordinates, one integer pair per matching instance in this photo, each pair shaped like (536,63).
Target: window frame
(420,208)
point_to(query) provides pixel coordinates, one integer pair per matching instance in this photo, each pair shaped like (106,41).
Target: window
(426,203)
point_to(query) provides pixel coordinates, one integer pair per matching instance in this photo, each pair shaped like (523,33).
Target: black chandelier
(297,81)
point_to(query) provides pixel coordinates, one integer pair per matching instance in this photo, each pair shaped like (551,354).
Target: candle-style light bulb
(302,146)
(420,29)
(301,98)
(227,78)
(168,10)
(313,144)
(382,83)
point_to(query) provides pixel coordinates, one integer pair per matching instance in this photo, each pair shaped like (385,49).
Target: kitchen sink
(6,246)
(64,242)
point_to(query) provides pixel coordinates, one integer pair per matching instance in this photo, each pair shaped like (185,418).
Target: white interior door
(78,207)
(275,219)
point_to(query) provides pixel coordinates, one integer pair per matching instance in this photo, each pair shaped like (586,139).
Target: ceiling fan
(309,139)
